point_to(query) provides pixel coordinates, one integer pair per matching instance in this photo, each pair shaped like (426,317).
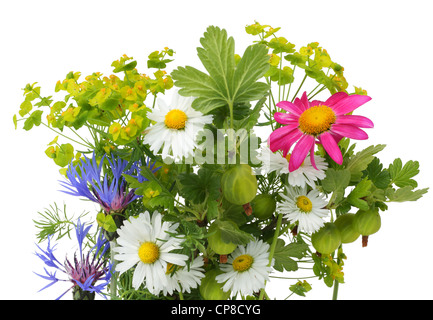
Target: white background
(385,47)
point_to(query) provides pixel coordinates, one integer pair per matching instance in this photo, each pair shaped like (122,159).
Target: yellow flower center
(175,119)
(304,204)
(242,263)
(148,252)
(170,268)
(316,120)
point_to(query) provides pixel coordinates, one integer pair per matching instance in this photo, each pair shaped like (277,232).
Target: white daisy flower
(306,174)
(145,242)
(246,270)
(307,209)
(182,278)
(176,127)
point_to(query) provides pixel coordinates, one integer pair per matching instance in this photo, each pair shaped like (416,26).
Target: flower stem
(335,291)
(299,88)
(272,249)
(113,285)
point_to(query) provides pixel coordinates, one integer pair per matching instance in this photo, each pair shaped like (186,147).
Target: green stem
(181,294)
(272,249)
(335,291)
(290,85)
(336,283)
(231,114)
(113,284)
(299,88)
(61,134)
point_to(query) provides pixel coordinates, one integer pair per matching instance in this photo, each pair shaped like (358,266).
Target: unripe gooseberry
(367,223)
(216,243)
(239,184)
(264,206)
(210,289)
(327,239)
(347,230)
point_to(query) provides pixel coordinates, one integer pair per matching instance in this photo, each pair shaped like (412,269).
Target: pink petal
(283,139)
(349,104)
(335,98)
(290,107)
(331,147)
(300,151)
(349,131)
(355,120)
(316,103)
(304,101)
(312,160)
(286,118)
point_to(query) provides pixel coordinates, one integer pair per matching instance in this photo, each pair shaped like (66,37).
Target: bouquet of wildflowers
(248,170)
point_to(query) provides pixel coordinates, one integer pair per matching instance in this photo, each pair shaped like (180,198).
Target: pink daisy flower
(310,122)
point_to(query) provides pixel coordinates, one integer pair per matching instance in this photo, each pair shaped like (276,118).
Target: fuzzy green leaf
(361,191)
(401,175)
(361,160)
(227,83)
(380,178)
(336,180)
(283,253)
(231,233)
(196,187)
(404,194)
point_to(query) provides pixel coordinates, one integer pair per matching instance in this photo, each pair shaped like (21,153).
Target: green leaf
(112,102)
(217,55)
(336,180)
(404,194)
(34,119)
(15,121)
(249,122)
(25,108)
(252,66)
(280,44)
(106,222)
(283,253)
(64,155)
(227,83)
(361,160)
(197,83)
(300,288)
(380,178)
(361,190)
(126,67)
(45,101)
(230,232)
(401,175)
(196,187)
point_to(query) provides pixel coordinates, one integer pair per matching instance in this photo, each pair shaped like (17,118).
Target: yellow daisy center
(242,263)
(170,268)
(304,204)
(148,252)
(316,120)
(175,119)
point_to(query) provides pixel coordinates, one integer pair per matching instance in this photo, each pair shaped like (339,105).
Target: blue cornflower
(85,271)
(110,191)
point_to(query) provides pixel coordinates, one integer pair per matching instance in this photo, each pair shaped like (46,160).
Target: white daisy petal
(175,133)
(246,269)
(306,174)
(307,210)
(137,245)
